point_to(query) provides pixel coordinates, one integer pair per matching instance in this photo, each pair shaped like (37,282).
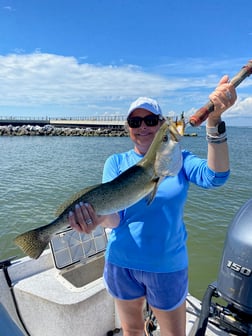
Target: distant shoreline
(49,130)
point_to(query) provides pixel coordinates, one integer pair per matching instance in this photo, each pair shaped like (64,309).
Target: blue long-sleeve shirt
(153,237)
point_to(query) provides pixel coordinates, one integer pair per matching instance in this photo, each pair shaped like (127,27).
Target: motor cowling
(234,282)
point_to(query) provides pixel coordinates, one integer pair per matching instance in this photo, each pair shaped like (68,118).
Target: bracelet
(217,139)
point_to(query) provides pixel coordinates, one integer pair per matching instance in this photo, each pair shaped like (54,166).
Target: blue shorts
(165,291)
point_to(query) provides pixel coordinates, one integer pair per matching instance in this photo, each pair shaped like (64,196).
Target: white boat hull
(66,302)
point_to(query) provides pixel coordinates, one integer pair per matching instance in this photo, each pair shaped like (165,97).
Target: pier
(92,122)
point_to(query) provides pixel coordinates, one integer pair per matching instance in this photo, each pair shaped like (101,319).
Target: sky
(76,58)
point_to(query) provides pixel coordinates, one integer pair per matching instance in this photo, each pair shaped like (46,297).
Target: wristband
(219,129)
(217,139)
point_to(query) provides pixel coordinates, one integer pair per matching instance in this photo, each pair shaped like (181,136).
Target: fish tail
(32,242)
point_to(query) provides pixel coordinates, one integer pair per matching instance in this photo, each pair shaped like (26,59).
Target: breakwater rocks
(49,130)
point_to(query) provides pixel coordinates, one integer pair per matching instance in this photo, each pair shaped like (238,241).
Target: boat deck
(193,310)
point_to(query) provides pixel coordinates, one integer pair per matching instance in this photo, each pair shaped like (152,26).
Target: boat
(62,292)
(181,125)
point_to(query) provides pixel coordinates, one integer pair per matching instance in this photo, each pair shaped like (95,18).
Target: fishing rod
(203,113)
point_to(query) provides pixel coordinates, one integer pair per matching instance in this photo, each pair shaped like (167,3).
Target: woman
(146,256)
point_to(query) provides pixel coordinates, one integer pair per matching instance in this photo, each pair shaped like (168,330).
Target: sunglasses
(150,120)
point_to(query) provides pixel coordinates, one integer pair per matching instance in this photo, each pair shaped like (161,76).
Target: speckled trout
(141,180)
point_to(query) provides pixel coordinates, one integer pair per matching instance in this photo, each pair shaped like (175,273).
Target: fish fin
(152,195)
(73,198)
(32,243)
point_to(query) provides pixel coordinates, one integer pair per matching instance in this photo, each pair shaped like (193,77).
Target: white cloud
(45,78)
(242,107)
(9,8)
(57,85)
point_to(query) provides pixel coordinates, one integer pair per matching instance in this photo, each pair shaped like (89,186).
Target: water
(40,173)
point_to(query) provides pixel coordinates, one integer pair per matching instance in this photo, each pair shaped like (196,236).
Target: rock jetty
(49,130)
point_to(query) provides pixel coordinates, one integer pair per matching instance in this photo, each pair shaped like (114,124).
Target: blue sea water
(40,173)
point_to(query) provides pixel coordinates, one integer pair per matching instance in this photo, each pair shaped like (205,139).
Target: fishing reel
(150,323)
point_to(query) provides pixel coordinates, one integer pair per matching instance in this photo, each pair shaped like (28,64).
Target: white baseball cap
(148,104)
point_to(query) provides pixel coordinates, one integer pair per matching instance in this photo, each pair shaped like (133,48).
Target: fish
(163,158)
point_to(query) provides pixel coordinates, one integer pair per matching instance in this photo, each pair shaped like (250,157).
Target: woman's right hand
(85,220)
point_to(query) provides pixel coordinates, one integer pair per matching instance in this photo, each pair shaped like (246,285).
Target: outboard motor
(234,283)
(235,275)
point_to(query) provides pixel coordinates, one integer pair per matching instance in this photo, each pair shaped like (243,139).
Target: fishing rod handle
(203,113)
